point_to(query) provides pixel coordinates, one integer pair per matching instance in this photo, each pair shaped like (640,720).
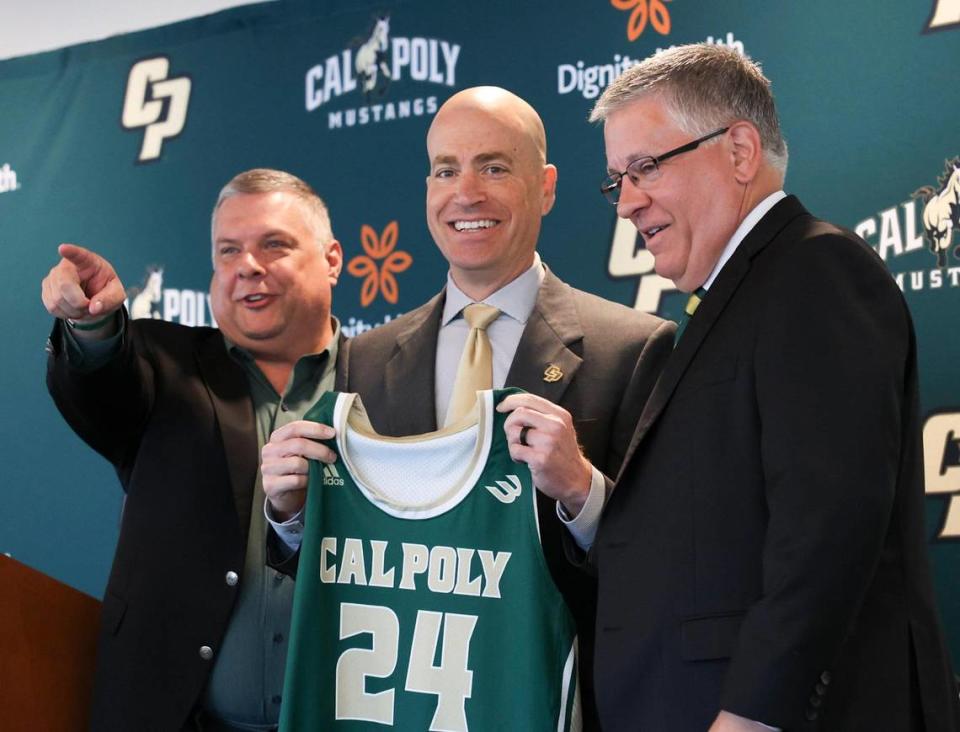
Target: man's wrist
(573,501)
(97,329)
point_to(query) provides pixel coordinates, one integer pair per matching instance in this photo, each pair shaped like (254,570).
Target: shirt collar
(516,299)
(751,220)
(306,365)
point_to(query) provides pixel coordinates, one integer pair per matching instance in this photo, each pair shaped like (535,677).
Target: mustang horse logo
(143,302)
(372,57)
(941,211)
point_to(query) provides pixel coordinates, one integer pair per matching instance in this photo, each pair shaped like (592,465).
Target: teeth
(254,298)
(471,225)
(654,230)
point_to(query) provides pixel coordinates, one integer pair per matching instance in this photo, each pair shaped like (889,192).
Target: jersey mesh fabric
(383,467)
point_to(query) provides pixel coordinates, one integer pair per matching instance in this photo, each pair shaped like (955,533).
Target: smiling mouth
(648,234)
(255,299)
(479,224)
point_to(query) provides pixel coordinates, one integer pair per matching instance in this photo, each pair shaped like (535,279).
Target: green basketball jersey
(423,601)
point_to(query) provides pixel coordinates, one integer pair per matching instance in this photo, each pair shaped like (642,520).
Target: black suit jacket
(610,357)
(172,412)
(764,549)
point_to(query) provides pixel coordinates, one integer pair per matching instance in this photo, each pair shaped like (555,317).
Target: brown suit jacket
(610,357)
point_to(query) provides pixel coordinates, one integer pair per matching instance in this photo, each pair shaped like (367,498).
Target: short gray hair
(267,180)
(705,87)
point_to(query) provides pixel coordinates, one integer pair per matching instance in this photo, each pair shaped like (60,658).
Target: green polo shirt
(246,683)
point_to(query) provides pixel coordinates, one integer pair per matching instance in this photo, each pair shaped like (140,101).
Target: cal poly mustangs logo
(156,102)
(369,65)
(152,300)
(928,220)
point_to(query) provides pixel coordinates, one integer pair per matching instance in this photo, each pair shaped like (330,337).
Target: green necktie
(693,302)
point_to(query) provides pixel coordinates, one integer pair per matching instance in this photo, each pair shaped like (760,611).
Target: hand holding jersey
(556,463)
(541,434)
(285,464)
(421,572)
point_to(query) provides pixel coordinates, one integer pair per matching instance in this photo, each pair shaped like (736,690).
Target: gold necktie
(475,371)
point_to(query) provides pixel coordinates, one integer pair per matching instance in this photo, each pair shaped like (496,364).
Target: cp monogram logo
(155,102)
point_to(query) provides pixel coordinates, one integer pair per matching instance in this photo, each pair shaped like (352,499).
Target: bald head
(501,104)
(489,186)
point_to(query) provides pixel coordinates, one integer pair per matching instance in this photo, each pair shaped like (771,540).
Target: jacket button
(811,714)
(825,677)
(232,578)
(206,653)
(821,689)
(815,701)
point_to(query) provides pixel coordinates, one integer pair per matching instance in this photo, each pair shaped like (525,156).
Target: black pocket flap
(713,636)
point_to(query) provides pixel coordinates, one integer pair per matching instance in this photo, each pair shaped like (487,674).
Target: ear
(746,151)
(549,188)
(334,255)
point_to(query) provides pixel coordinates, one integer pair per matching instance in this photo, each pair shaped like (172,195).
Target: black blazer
(172,412)
(764,549)
(610,357)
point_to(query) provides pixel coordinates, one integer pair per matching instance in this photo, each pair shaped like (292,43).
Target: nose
(632,198)
(250,266)
(469,188)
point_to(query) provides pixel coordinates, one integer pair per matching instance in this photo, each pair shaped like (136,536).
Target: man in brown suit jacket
(587,363)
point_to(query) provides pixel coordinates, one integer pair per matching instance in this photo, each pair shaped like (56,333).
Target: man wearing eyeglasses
(762,560)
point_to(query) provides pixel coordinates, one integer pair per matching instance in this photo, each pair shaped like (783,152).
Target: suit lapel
(410,373)
(544,363)
(341,366)
(713,305)
(230,393)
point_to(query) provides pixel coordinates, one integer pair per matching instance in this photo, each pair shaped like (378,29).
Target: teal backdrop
(121,146)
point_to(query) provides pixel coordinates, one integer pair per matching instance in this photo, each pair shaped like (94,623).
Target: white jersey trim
(351,421)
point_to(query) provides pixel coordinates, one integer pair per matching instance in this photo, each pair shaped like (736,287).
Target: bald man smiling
(587,364)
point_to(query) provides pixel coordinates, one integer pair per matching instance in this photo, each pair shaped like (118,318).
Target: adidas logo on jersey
(331,476)
(506,492)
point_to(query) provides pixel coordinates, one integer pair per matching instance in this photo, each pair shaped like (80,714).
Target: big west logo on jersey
(155,102)
(370,65)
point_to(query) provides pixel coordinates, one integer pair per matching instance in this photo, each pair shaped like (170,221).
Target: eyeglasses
(647,169)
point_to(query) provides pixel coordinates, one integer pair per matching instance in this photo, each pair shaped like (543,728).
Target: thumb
(108,299)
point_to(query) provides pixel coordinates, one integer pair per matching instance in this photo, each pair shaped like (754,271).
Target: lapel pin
(552,373)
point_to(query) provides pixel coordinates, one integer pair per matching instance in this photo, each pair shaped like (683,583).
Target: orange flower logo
(379,279)
(645,10)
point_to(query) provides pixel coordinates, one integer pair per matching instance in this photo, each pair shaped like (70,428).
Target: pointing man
(193,627)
